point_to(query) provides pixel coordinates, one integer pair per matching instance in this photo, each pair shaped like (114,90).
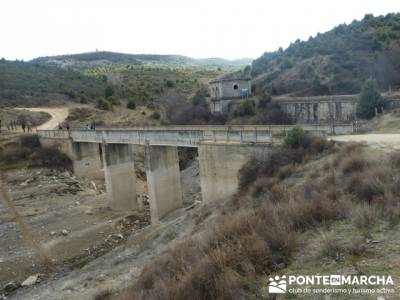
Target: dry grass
(331,247)
(353,163)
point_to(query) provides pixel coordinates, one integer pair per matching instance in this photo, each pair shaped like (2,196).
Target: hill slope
(335,62)
(104,58)
(22,82)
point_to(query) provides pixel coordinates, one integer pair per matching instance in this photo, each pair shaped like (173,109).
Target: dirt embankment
(36,118)
(57,116)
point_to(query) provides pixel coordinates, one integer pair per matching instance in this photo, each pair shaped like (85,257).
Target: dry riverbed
(85,240)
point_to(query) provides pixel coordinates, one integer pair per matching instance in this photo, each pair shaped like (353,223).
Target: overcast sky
(201,28)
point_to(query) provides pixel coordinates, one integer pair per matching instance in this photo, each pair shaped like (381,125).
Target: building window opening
(235,87)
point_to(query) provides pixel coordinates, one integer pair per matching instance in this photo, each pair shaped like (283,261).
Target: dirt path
(389,141)
(58,115)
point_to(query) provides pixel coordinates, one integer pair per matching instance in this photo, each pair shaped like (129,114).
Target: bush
(370,100)
(331,247)
(131,104)
(264,101)
(188,114)
(156,115)
(114,100)
(353,163)
(200,97)
(169,83)
(246,108)
(104,104)
(296,138)
(109,91)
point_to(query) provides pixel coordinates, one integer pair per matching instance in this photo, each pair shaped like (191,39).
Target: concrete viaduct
(222,150)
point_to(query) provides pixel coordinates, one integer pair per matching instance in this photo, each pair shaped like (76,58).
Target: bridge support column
(87,160)
(163,180)
(119,171)
(219,168)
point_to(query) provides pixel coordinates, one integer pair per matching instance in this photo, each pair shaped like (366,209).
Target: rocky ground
(90,246)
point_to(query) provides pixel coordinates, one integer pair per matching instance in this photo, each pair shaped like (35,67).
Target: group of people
(91,126)
(14,126)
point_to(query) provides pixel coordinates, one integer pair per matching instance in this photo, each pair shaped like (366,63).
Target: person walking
(29,125)
(23,127)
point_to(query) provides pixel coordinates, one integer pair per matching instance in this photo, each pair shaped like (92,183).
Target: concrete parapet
(163,180)
(120,177)
(219,167)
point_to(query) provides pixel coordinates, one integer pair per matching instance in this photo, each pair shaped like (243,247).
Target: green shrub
(104,104)
(109,91)
(295,138)
(114,100)
(370,100)
(169,83)
(131,104)
(246,108)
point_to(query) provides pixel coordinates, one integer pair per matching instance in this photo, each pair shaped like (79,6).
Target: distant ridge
(104,58)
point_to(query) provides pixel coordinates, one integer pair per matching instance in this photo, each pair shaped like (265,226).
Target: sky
(202,28)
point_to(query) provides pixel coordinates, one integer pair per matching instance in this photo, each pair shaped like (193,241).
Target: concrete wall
(65,145)
(320,112)
(87,160)
(120,176)
(163,180)
(219,167)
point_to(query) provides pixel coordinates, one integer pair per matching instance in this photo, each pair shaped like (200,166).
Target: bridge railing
(186,136)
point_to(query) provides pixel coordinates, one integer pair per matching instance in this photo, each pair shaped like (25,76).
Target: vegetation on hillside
(335,62)
(22,82)
(104,58)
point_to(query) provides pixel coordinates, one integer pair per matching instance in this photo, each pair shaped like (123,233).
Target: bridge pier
(163,180)
(87,160)
(219,167)
(120,177)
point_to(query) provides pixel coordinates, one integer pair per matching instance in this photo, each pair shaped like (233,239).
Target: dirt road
(58,115)
(389,141)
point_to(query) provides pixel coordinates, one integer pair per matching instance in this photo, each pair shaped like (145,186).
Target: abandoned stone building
(226,89)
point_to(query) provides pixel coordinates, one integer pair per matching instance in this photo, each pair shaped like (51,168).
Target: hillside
(105,58)
(335,62)
(39,83)
(32,83)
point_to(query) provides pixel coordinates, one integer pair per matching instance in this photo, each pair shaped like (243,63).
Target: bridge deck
(185,136)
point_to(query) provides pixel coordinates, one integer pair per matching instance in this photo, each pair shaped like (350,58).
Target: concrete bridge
(222,151)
